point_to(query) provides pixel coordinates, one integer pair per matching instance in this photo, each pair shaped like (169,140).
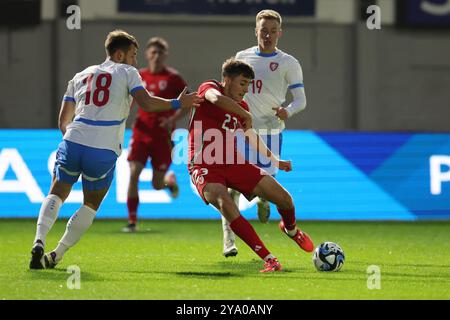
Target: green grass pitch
(182,260)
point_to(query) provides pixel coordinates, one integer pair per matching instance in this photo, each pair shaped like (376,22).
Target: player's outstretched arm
(66,115)
(156,104)
(258,144)
(228,104)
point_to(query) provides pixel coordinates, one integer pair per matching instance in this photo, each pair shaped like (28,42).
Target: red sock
(132,204)
(245,231)
(288,217)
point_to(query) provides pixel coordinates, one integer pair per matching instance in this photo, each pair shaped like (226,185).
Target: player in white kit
(92,120)
(276,72)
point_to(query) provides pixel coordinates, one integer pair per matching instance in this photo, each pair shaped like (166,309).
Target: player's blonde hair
(119,40)
(268,14)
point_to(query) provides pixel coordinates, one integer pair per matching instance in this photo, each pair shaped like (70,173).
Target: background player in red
(152,131)
(213,170)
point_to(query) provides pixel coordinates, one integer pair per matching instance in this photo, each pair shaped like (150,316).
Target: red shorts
(240,177)
(158,148)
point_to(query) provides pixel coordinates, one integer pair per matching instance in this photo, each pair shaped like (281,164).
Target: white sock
(292,232)
(225,224)
(228,234)
(269,256)
(76,227)
(47,216)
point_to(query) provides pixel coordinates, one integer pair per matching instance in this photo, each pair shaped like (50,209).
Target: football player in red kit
(215,165)
(152,131)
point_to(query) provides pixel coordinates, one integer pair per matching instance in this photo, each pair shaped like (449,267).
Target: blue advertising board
(423,13)
(218,7)
(336,176)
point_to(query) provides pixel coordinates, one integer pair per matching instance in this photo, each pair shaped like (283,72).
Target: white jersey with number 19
(102,94)
(274,74)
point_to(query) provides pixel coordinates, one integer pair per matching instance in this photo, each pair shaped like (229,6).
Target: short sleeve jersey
(102,95)
(274,74)
(212,130)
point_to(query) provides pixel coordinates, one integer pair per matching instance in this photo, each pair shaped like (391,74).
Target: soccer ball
(328,257)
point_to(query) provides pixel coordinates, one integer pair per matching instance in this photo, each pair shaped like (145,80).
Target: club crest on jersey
(273,66)
(162,85)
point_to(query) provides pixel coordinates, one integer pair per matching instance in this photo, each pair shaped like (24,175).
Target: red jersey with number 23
(209,116)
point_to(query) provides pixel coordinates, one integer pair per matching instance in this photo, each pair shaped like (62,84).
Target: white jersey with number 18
(102,94)
(274,74)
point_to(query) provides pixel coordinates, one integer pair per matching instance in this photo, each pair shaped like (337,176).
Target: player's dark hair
(234,68)
(157,42)
(119,40)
